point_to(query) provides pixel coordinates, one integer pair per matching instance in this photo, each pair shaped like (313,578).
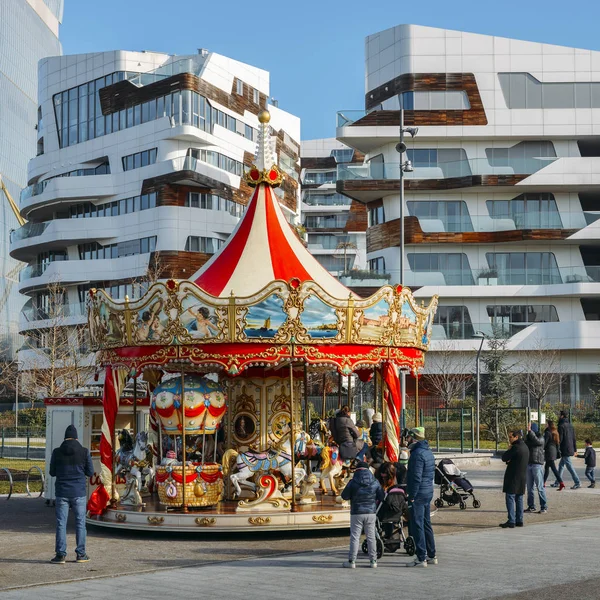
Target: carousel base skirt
(324,514)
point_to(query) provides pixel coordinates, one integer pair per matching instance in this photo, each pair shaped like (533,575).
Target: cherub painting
(149,324)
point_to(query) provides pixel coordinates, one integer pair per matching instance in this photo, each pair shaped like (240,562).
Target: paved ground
(479,565)
(27,538)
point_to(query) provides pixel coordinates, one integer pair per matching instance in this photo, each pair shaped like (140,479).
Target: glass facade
(24,40)
(79,115)
(214,202)
(207,245)
(528,211)
(454,214)
(139,159)
(524,268)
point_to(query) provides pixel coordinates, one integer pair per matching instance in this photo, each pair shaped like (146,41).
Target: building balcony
(73,272)
(478,229)
(37,318)
(369,181)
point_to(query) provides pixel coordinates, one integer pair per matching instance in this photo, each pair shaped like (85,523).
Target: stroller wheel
(365,547)
(476,503)
(409,546)
(463,505)
(439,503)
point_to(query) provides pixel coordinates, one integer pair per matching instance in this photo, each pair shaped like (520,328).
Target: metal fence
(22,461)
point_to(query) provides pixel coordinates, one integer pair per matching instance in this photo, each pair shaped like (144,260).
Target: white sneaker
(373,564)
(349,564)
(417,563)
(432,561)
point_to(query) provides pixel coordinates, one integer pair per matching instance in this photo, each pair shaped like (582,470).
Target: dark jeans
(78,506)
(550,464)
(421,530)
(514,501)
(589,473)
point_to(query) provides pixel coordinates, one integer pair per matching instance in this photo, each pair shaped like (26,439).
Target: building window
(523,90)
(214,202)
(455,321)
(95,251)
(255,96)
(320,178)
(239,87)
(528,211)
(336,264)
(139,159)
(327,241)
(376,215)
(203,244)
(452,162)
(524,268)
(453,214)
(377,265)
(113,209)
(524,157)
(323,198)
(510,319)
(454,266)
(342,155)
(326,222)
(288,165)
(430,100)
(217,160)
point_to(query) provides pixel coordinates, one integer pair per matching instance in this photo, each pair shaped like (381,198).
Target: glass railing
(493,277)
(442,170)
(312,180)
(76,309)
(316,198)
(314,222)
(33,190)
(184,65)
(528,220)
(466,331)
(349,117)
(31,271)
(29,230)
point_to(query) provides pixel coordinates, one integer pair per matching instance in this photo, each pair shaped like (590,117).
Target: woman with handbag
(552,453)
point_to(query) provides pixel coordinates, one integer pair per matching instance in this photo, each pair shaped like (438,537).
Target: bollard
(28,434)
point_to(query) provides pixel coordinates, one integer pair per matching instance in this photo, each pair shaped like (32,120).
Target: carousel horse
(331,468)
(248,464)
(133,459)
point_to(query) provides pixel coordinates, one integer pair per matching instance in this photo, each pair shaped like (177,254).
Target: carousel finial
(264,168)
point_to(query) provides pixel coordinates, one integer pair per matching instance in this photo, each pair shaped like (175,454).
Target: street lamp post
(478,335)
(17,403)
(405,167)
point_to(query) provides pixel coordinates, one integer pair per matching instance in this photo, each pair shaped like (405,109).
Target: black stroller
(389,531)
(455,488)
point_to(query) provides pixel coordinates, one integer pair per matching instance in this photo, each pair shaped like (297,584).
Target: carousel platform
(324,514)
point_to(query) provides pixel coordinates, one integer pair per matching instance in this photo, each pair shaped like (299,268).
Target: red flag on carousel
(98,500)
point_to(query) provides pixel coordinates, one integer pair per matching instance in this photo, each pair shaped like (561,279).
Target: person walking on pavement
(515,477)
(535,476)
(419,488)
(364,492)
(568,449)
(590,462)
(71,464)
(551,453)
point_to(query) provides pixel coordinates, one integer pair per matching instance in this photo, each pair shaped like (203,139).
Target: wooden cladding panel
(387,235)
(328,162)
(123,94)
(358,217)
(177,264)
(426,82)
(393,185)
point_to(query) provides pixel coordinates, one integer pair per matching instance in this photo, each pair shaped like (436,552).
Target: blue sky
(313,49)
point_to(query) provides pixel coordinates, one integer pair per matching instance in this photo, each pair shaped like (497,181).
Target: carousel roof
(263,247)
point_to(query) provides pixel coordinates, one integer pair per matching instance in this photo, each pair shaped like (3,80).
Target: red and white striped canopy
(263,247)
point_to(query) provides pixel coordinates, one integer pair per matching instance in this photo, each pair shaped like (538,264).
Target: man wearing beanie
(71,464)
(419,488)
(364,492)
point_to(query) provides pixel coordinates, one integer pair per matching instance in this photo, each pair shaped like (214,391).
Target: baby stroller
(454,487)
(389,528)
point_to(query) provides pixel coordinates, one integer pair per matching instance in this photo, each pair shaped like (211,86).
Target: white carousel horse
(133,459)
(277,458)
(331,467)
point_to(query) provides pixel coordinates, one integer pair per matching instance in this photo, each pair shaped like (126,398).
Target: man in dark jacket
(516,459)
(419,488)
(535,469)
(71,464)
(376,431)
(364,492)
(568,449)
(346,436)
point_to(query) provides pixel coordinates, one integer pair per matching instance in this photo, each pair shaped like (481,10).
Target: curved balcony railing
(466,331)
(441,170)
(29,230)
(31,271)
(75,309)
(318,198)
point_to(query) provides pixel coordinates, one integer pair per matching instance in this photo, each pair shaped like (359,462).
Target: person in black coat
(552,453)
(347,436)
(568,449)
(535,469)
(515,479)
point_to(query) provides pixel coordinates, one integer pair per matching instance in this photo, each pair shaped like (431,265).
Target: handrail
(10,480)
(27,481)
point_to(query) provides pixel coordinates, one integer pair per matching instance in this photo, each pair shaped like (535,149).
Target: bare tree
(59,359)
(540,372)
(447,372)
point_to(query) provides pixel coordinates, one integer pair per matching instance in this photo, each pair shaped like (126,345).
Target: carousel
(225,357)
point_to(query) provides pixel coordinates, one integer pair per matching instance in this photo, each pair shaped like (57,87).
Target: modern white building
(335,224)
(502,206)
(28,32)
(140,162)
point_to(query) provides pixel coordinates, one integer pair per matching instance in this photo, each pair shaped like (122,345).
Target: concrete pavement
(486,564)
